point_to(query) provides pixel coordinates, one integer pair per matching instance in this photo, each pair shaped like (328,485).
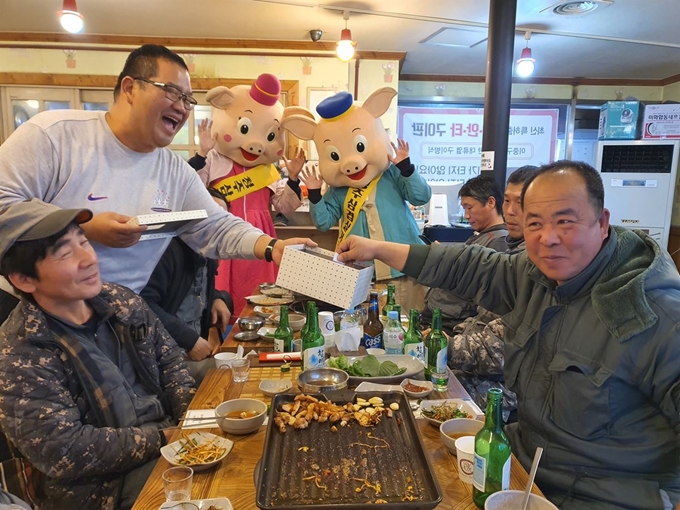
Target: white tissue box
(314,273)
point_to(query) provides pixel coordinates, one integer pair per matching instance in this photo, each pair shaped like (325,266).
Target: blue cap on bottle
(393,314)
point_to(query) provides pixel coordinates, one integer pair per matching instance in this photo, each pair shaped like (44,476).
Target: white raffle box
(314,273)
(661,121)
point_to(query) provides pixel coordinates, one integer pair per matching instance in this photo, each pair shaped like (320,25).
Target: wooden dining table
(233,477)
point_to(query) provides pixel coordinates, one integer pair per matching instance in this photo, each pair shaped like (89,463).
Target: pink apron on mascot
(247,120)
(368,194)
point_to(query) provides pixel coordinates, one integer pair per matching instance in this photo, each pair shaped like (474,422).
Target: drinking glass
(241,368)
(177,482)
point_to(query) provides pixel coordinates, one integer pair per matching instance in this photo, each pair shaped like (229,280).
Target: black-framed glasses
(172,93)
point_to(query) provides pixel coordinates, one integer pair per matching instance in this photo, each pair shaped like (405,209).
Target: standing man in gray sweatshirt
(118,165)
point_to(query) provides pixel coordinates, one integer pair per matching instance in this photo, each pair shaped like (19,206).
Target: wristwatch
(269,250)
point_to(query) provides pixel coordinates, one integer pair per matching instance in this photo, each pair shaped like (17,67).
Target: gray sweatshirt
(71,158)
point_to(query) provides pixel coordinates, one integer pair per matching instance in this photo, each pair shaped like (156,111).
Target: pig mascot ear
(301,125)
(296,110)
(378,103)
(220,97)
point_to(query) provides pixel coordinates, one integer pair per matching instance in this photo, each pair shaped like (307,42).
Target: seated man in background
(181,291)
(89,378)
(592,341)
(481,198)
(476,347)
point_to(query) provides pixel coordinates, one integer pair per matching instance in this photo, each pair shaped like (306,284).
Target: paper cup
(465,456)
(504,500)
(224,359)
(326,323)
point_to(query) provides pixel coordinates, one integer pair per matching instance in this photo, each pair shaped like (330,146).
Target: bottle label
(479,474)
(505,482)
(314,357)
(278,345)
(373,342)
(442,359)
(394,341)
(417,350)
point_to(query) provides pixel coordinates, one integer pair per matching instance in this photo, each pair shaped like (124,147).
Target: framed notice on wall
(446,143)
(314,96)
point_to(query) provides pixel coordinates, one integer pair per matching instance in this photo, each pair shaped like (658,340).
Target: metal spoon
(532,475)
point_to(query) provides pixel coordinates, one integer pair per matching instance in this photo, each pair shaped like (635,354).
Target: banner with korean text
(446,143)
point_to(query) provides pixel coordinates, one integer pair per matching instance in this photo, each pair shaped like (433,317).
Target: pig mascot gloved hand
(239,171)
(369,187)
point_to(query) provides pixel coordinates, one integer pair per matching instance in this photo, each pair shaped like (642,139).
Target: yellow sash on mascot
(240,185)
(354,201)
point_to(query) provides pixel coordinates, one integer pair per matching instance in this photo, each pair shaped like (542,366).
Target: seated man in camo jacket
(476,347)
(89,378)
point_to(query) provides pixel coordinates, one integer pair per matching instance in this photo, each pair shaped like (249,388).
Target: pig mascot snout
(369,188)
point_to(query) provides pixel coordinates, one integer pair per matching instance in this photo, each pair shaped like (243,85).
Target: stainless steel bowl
(267,286)
(250,323)
(315,380)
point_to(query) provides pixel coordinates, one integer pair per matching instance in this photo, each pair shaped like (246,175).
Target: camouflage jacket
(54,411)
(475,355)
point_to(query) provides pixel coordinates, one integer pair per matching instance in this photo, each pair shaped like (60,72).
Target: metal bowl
(267,286)
(250,323)
(315,380)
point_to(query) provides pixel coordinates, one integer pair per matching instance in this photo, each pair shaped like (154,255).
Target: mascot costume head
(247,120)
(350,138)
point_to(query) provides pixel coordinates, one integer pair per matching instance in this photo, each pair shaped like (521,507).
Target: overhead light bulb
(345,49)
(70,18)
(525,64)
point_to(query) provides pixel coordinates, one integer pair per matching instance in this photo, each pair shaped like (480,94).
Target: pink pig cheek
(227,138)
(279,152)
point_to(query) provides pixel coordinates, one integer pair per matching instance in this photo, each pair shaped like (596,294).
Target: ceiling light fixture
(525,64)
(70,18)
(345,49)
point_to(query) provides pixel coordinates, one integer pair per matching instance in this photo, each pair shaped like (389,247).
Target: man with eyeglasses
(117,164)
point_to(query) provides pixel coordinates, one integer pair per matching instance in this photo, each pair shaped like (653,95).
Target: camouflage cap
(34,219)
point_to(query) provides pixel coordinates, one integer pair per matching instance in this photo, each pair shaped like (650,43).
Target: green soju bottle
(413,339)
(313,350)
(389,306)
(309,305)
(492,452)
(437,353)
(283,336)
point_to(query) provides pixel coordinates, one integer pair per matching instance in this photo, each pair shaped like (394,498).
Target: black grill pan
(331,456)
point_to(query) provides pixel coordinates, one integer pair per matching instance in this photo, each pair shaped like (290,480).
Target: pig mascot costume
(367,191)
(249,139)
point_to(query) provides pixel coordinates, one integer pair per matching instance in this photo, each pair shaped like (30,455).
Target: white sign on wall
(446,143)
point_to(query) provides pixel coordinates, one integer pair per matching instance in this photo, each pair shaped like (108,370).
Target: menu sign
(446,143)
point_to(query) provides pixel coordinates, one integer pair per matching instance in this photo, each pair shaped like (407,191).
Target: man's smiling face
(157,118)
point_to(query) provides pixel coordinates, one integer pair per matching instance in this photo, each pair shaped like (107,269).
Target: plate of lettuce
(386,369)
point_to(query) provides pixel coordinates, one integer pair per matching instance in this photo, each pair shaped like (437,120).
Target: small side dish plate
(198,504)
(174,451)
(409,384)
(271,387)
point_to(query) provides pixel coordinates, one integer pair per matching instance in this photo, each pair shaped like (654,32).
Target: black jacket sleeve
(156,294)
(196,162)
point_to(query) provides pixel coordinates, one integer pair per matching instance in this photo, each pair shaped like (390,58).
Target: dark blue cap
(335,106)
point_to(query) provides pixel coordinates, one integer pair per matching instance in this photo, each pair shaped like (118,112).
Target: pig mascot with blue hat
(369,187)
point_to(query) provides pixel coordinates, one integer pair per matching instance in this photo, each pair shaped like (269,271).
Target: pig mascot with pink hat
(369,186)
(246,128)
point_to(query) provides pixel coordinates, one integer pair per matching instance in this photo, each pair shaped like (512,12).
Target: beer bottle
(393,334)
(437,353)
(373,328)
(313,342)
(492,452)
(389,306)
(413,339)
(283,336)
